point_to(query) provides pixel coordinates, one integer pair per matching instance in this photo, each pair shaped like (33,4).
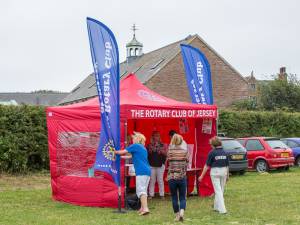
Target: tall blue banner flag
(105,56)
(198,76)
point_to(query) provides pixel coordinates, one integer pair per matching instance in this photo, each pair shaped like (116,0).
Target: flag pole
(125,178)
(120,199)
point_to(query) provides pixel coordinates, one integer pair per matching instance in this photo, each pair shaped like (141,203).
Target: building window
(136,52)
(252,86)
(156,64)
(131,52)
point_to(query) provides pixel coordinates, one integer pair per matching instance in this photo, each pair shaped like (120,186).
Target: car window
(276,144)
(242,142)
(292,144)
(254,145)
(232,145)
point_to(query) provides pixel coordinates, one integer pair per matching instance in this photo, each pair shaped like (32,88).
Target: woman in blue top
(142,168)
(218,161)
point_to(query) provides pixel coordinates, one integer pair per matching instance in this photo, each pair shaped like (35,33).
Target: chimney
(282,73)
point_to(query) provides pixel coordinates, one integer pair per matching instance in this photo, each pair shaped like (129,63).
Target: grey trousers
(218,177)
(157,174)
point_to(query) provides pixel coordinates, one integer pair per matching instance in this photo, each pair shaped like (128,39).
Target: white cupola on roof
(134,47)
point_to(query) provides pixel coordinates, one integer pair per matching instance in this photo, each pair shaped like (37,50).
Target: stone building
(252,85)
(162,70)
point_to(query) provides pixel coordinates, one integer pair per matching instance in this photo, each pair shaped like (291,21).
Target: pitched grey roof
(46,99)
(144,67)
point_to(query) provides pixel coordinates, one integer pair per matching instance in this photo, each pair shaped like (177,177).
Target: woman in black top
(218,163)
(157,152)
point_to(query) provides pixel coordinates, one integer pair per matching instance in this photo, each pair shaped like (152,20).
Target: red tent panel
(73,136)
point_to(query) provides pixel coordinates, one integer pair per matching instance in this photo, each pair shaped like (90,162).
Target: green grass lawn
(271,198)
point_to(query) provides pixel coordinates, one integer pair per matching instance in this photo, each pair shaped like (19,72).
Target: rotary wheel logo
(108,151)
(151,97)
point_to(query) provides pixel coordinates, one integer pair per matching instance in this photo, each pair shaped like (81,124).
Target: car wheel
(287,167)
(261,166)
(297,161)
(242,172)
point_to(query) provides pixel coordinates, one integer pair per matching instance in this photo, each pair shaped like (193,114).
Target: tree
(281,94)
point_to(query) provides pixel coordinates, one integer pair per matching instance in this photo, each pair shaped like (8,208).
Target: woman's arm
(167,158)
(203,173)
(149,148)
(121,152)
(164,149)
(124,154)
(129,156)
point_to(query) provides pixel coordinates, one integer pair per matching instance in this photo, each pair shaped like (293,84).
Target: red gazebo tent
(73,136)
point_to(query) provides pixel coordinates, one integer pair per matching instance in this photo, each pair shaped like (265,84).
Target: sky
(44,44)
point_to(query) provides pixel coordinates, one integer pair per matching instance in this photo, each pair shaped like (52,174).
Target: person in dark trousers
(157,152)
(218,161)
(177,158)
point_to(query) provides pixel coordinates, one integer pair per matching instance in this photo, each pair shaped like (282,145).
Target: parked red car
(267,153)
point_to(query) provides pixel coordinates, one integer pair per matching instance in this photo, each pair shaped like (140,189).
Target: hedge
(23,133)
(23,139)
(258,123)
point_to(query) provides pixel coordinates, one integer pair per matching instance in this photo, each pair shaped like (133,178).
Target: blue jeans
(178,187)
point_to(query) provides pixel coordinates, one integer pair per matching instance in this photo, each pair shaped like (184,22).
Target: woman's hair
(171,133)
(215,142)
(152,136)
(141,139)
(176,140)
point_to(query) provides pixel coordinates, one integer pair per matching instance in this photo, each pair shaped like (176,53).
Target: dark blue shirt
(139,159)
(217,158)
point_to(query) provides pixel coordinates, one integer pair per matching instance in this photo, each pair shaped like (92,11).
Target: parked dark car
(266,153)
(221,135)
(238,161)
(294,144)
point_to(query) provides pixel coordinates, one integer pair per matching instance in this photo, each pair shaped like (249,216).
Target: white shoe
(176,217)
(181,214)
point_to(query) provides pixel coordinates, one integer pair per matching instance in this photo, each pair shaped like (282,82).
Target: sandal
(140,210)
(144,213)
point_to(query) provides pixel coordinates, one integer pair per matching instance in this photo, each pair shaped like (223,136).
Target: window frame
(255,150)
(294,142)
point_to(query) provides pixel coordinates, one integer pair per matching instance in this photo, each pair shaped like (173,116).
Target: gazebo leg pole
(195,165)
